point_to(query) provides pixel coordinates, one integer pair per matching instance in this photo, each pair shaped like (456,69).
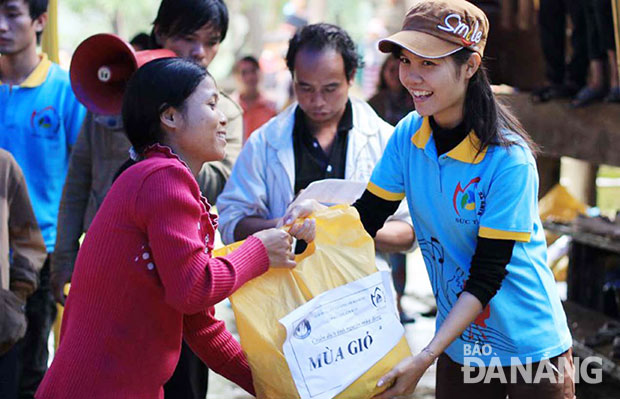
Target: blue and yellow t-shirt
(453,199)
(39,122)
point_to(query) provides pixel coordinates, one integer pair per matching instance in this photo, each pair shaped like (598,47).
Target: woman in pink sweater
(144,278)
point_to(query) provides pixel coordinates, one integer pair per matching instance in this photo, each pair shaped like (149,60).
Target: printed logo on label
(303,329)
(377,298)
(454,24)
(45,123)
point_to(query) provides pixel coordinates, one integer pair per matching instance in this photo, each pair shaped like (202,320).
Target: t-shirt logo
(465,197)
(45,123)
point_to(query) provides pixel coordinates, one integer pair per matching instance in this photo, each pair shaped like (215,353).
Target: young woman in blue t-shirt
(467,169)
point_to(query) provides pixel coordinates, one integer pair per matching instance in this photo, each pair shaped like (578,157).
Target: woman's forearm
(251,224)
(463,313)
(395,236)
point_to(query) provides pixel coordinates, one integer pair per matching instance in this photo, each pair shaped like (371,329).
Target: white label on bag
(337,336)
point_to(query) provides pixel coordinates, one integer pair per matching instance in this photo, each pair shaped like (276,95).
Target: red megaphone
(101,67)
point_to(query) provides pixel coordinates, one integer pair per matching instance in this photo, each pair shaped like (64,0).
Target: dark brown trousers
(451,382)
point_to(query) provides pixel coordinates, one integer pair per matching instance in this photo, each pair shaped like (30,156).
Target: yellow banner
(616,11)
(49,40)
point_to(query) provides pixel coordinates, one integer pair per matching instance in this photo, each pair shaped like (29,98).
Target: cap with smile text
(438,28)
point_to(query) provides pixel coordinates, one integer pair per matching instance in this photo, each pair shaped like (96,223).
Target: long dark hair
(156,86)
(491,120)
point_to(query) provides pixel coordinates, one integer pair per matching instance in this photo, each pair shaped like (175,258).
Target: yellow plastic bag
(341,253)
(558,205)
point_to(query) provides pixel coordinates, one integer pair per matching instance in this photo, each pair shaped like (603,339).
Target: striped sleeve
(387,180)
(511,205)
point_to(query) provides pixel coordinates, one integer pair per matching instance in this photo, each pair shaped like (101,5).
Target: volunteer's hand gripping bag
(342,256)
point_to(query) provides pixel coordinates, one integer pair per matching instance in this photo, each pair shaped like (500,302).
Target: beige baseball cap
(438,28)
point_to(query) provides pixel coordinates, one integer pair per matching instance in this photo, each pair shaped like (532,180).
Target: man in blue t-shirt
(39,122)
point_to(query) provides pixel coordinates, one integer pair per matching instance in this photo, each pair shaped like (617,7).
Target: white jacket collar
(364,122)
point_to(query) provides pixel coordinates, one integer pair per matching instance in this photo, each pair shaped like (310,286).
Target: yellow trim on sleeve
(487,232)
(384,194)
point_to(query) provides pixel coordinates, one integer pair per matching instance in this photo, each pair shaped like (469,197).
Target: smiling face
(18,31)
(321,85)
(438,86)
(201,45)
(197,131)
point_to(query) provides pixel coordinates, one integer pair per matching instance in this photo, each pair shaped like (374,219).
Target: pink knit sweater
(144,279)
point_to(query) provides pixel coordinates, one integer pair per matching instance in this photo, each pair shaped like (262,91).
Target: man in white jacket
(326,134)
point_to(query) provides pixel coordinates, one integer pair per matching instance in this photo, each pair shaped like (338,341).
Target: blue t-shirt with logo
(39,122)
(453,199)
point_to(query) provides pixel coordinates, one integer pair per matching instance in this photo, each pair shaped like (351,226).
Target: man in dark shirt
(310,159)
(327,134)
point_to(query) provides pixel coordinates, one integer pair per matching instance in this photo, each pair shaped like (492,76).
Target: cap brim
(419,43)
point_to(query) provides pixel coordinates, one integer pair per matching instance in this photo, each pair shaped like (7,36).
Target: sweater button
(150,266)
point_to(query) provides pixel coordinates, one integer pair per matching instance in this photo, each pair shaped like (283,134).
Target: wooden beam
(591,133)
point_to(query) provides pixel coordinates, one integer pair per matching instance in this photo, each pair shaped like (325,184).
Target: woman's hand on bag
(301,210)
(278,244)
(404,377)
(306,230)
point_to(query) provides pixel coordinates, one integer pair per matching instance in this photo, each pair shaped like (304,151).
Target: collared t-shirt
(39,122)
(311,161)
(453,199)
